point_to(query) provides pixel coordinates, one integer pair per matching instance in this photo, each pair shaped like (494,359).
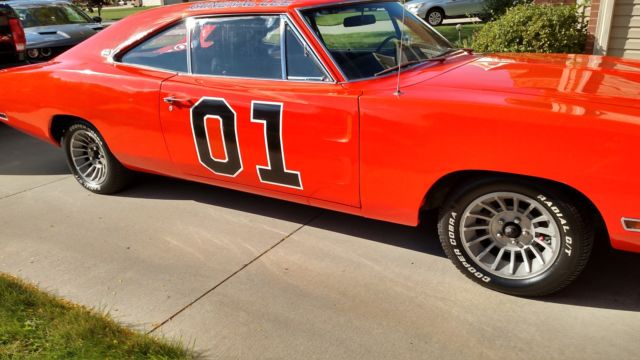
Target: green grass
(36,325)
(466,33)
(117,14)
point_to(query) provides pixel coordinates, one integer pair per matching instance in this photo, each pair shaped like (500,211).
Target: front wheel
(91,162)
(519,239)
(434,17)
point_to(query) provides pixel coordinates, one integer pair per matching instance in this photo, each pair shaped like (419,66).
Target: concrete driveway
(246,277)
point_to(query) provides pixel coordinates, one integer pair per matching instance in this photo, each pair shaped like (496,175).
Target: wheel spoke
(87,172)
(81,157)
(525,259)
(529,209)
(498,258)
(475,241)
(515,203)
(486,251)
(501,203)
(539,219)
(478,227)
(545,231)
(512,263)
(83,164)
(546,246)
(537,254)
(488,208)
(479,217)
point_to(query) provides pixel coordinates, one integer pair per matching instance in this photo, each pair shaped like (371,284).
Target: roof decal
(240,4)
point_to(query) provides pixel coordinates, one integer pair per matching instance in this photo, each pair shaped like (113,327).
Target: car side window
(301,65)
(166,50)
(243,46)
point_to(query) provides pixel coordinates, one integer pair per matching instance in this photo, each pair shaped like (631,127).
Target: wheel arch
(60,123)
(447,184)
(437,7)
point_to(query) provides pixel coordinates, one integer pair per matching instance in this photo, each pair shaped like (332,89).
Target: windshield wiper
(440,57)
(399,66)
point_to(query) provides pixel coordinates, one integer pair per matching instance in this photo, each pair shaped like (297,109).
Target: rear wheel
(91,162)
(434,17)
(519,239)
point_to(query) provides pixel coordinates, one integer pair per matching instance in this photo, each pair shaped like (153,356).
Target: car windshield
(365,38)
(51,14)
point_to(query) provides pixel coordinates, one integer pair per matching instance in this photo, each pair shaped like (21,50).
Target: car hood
(60,35)
(600,79)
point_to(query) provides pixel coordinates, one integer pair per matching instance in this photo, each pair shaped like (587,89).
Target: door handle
(172,100)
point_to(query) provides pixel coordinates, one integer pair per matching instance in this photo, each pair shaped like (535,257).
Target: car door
(258,109)
(461,7)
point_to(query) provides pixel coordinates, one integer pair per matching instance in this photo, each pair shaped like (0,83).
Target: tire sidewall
(66,143)
(551,278)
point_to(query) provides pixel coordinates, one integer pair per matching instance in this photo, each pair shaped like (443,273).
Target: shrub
(534,28)
(493,9)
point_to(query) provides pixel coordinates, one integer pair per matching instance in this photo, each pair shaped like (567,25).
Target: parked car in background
(436,11)
(53,27)
(12,39)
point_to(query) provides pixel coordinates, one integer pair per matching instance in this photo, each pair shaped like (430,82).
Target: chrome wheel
(510,235)
(88,156)
(435,18)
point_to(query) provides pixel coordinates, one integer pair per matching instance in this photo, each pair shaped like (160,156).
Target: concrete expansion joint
(312,219)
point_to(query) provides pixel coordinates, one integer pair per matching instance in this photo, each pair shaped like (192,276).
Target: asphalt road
(246,277)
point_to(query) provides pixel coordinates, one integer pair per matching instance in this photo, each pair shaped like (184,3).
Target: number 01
(267,113)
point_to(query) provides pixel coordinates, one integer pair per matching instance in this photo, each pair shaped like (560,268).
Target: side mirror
(97,19)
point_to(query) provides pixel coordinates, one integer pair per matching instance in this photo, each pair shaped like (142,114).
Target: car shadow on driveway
(23,155)
(610,280)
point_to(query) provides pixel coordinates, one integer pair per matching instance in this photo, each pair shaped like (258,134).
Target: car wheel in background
(91,162)
(434,17)
(516,238)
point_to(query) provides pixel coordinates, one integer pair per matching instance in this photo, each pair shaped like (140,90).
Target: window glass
(300,63)
(50,14)
(166,50)
(237,46)
(364,39)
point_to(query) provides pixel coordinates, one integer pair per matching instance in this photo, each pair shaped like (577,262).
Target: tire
(434,17)
(89,152)
(534,246)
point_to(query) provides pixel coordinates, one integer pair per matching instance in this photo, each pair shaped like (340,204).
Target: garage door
(624,39)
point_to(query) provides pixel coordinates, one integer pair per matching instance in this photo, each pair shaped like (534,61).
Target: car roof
(243,6)
(34,2)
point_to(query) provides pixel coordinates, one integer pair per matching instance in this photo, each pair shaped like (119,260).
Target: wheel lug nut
(516,220)
(499,235)
(501,222)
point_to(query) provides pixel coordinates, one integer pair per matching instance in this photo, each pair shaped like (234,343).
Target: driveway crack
(235,273)
(35,187)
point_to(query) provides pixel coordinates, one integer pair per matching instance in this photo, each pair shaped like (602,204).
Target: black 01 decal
(276,172)
(216,109)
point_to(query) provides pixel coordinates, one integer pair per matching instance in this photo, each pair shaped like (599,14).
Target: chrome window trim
(190,23)
(131,42)
(307,48)
(283,48)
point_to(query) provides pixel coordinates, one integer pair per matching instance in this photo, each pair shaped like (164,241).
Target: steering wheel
(385,41)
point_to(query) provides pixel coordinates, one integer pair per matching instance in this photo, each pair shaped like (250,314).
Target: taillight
(18,34)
